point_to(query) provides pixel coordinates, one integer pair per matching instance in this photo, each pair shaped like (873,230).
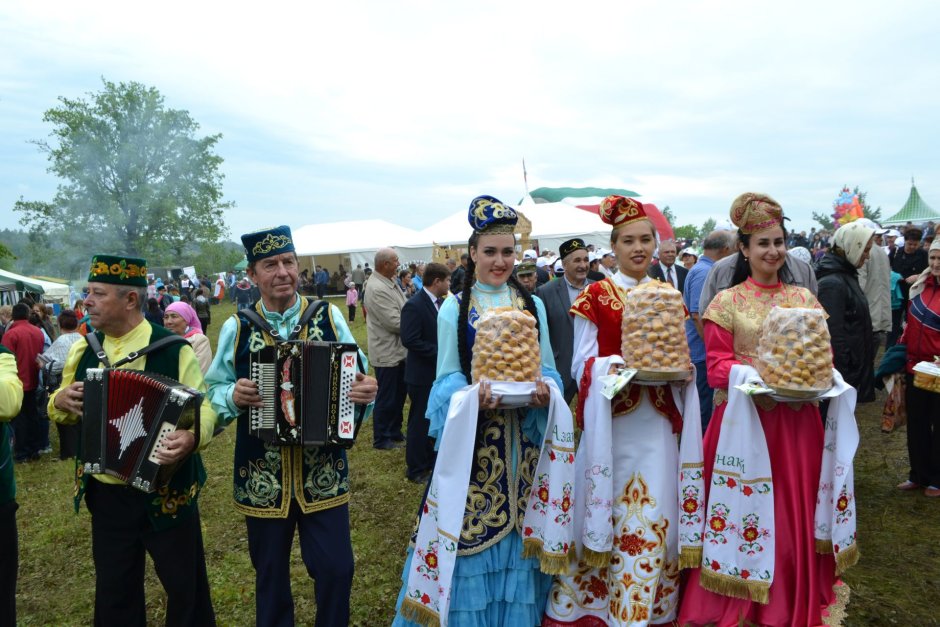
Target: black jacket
(849,321)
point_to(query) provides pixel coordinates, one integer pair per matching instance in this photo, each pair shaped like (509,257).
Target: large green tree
(136,177)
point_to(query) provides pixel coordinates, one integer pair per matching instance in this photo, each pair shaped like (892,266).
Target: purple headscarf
(187,313)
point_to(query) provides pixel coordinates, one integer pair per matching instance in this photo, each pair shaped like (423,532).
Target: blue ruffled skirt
(494,587)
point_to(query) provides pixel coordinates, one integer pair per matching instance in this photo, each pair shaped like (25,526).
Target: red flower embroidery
(425,508)
(748,491)
(565,503)
(745,574)
(715,565)
(570,458)
(597,587)
(543,494)
(751,534)
(425,598)
(732,483)
(717,523)
(631,544)
(551,455)
(431,560)
(842,503)
(690,505)
(527,531)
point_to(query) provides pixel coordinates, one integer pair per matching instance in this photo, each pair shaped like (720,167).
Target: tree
(136,177)
(686,231)
(707,228)
(670,217)
(826,219)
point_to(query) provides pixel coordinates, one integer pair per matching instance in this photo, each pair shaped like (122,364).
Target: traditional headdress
(753,213)
(188,314)
(119,270)
(571,246)
(618,211)
(267,243)
(490,215)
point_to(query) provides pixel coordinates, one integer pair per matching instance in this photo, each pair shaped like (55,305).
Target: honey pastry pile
(794,350)
(653,329)
(506,347)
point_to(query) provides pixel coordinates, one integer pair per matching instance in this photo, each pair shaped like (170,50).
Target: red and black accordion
(305,387)
(127,415)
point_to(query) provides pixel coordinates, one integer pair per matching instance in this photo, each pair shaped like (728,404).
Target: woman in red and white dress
(635,581)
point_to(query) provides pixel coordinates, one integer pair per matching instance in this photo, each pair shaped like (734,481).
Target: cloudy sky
(406,110)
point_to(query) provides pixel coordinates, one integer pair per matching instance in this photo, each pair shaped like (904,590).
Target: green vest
(172,503)
(267,476)
(7,479)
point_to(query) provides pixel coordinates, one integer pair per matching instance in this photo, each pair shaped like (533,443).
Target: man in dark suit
(558,296)
(419,336)
(667,270)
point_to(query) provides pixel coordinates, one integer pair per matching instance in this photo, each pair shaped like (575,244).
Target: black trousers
(9,562)
(352,312)
(121,533)
(388,414)
(923,435)
(326,550)
(27,428)
(68,440)
(419,447)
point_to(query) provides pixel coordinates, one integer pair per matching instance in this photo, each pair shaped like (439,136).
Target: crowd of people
(685,502)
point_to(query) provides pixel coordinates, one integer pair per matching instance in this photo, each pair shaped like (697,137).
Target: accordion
(304,386)
(127,416)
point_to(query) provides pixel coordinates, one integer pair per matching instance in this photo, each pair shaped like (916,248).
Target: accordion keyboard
(265,377)
(346,423)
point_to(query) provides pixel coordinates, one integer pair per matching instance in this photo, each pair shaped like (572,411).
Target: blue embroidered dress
(492,583)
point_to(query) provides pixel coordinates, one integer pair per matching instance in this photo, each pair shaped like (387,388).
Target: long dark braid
(469,278)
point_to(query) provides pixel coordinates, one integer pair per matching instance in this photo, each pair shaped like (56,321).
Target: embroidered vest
(7,480)
(503,469)
(172,503)
(268,476)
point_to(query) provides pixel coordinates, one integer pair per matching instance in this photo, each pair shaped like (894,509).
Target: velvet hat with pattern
(267,242)
(753,213)
(118,269)
(620,210)
(571,246)
(489,215)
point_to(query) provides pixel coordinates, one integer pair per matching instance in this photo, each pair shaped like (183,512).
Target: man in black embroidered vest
(283,488)
(126,522)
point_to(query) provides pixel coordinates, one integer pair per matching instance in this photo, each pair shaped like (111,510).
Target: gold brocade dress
(803,579)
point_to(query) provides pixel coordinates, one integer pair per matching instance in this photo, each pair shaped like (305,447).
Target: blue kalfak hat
(268,242)
(490,215)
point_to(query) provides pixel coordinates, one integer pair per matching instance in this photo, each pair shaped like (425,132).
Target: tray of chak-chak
(794,358)
(652,336)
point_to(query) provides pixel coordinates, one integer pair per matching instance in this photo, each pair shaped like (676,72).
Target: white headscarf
(918,286)
(852,240)
(801,253)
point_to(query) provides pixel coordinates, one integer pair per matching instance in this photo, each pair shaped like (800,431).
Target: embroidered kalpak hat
(619,210)
(753,213)
(571,246)
(490,215)
(268,242)
(118,269)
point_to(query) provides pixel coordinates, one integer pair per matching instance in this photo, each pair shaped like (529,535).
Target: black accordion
(127,416)
(305,387)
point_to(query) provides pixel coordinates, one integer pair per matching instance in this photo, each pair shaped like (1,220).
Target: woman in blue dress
(492,583)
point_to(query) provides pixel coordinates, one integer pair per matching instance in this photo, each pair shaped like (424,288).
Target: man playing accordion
(126,522)
(283,487)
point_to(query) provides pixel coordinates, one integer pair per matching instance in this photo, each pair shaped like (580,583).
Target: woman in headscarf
(488,581)
(766,548)
(922,338)
(849,317)
(627,500)
(181,318)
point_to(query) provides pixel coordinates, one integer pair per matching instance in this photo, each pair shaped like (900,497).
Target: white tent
(51,290)
(360,239)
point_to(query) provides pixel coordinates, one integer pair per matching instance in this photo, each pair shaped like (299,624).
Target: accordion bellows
(653,329)
(127,415)
(506,347)
(793,353)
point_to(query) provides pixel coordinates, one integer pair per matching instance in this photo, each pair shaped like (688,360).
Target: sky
(406,110)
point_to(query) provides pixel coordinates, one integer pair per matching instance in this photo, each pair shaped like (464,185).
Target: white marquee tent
(360,239)
(51,290)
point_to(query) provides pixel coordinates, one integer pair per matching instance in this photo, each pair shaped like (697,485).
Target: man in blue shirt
(717,244)
(322,280)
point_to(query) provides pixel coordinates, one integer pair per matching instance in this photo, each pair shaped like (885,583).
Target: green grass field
(896,581)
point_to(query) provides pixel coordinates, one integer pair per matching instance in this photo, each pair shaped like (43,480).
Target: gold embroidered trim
(726,585)
(417,613)
(549,563)
(596,559)
(847,558)
(269,243)
(690,557)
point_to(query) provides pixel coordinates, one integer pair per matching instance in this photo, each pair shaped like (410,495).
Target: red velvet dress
(803,579)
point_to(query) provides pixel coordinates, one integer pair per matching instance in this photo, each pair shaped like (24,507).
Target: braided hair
(469,278)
